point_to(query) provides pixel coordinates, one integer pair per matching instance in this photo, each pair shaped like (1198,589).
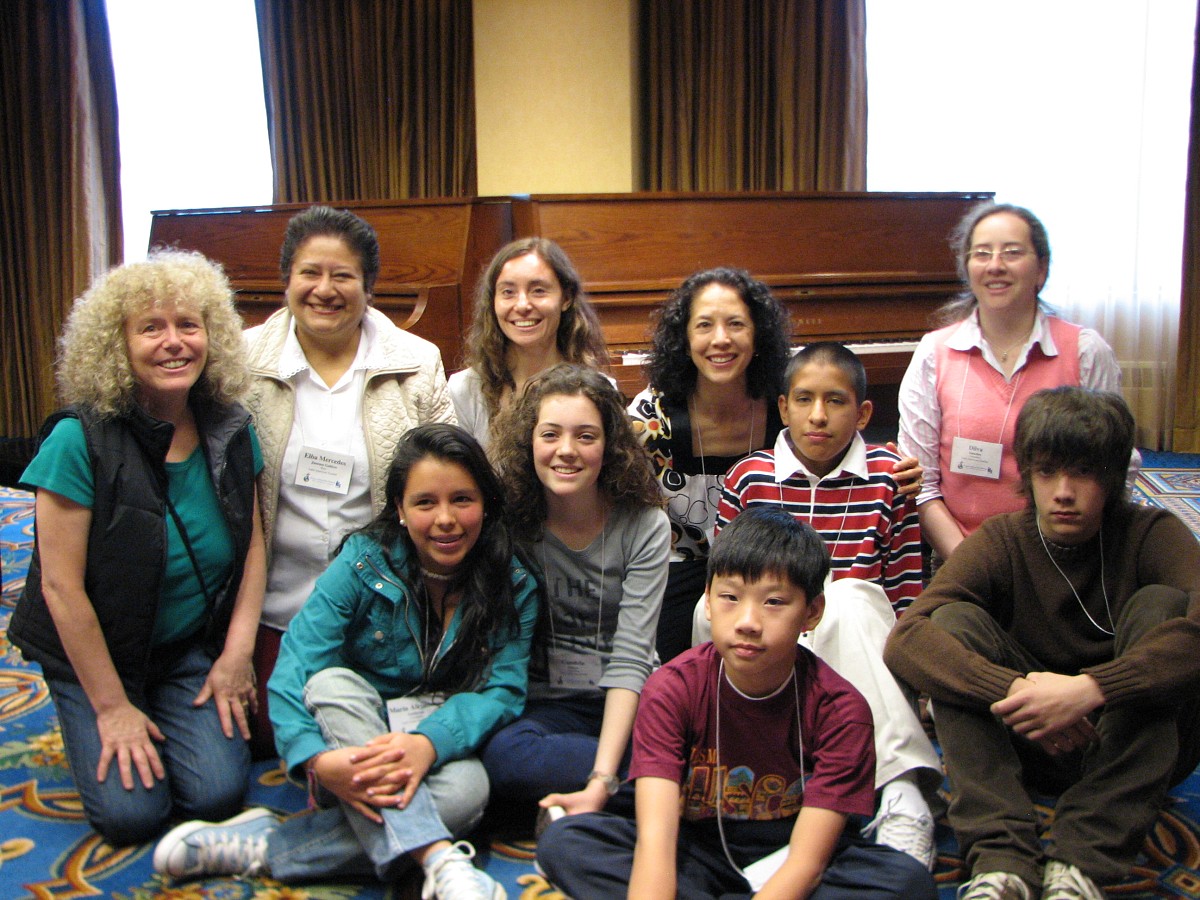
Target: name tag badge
(324,470)
(406,713)
(978,458)
(575,671)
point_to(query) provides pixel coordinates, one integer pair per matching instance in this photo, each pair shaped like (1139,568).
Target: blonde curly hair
(93,367)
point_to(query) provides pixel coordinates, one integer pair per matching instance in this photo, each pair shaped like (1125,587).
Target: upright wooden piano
(867,269)
(864,268)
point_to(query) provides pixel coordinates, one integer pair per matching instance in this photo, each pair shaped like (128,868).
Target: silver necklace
(435,576)
(1103,590)
(1003,354)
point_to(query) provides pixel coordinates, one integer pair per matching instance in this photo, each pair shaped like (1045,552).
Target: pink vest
(976,408)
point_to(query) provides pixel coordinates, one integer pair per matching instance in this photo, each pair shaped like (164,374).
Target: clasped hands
(1052,709)
(384,772)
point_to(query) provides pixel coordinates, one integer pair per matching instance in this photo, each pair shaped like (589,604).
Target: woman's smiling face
(325,290)
(720,333)
(528,302)
(1000,284)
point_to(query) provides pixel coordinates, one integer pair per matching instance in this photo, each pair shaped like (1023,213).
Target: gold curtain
(369,99)
(1186,434)
(59,187)
(754,95)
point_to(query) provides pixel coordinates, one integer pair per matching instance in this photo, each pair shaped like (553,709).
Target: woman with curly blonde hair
(146,584)
(94,368)
(580,491)
(530,313)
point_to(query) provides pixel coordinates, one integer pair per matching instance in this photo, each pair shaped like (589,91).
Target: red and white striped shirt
(871,531)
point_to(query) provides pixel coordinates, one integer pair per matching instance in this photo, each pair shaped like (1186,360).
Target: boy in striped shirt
(822,472)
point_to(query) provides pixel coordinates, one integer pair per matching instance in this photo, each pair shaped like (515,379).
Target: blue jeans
(591,856)
(205,771)
(342,842)
(551,748)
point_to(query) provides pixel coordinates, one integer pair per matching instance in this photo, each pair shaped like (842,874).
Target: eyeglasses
(1009,254)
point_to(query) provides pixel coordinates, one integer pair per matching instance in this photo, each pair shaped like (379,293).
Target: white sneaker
(995,886)
(450,875)
(237,846)
(1063,881)
(908,834)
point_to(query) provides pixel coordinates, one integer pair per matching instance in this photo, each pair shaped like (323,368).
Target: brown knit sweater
(1004,568)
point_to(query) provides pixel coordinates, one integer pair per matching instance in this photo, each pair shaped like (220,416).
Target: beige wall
(554,96)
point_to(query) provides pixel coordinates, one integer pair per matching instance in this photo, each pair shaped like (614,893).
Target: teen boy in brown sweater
(1060,647)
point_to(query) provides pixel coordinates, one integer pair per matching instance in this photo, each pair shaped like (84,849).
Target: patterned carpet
(48,852)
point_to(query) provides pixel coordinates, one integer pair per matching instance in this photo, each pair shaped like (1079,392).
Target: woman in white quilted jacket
(336,385)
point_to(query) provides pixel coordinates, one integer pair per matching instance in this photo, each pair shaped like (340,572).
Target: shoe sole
(180,833)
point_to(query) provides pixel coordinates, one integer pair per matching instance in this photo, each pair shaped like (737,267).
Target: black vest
(127,543)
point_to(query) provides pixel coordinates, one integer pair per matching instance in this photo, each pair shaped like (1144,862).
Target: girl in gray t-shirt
(581,493)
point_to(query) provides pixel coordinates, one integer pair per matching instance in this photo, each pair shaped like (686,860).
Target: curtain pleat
(369,99)
(753,95)
(1186,433)
(59,187)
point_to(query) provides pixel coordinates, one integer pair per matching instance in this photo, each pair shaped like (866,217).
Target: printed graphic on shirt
(741,793)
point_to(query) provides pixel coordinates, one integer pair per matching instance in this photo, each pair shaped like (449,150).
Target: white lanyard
(962,393)
(812,503)
(1078,599)
(717,749)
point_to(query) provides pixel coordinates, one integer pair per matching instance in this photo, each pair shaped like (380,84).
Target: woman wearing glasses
(967,381)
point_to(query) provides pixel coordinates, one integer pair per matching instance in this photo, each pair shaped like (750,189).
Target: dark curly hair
(671,370)
(579,337)
(489,614)
(626,478)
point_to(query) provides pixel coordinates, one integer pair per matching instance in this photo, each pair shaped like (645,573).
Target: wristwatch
(612,783)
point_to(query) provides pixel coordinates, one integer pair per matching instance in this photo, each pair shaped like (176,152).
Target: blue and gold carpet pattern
(48,852)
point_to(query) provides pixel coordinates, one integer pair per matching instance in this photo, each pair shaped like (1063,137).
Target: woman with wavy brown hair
(530,313)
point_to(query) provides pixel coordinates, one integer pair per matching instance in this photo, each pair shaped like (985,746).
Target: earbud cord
(1103,590)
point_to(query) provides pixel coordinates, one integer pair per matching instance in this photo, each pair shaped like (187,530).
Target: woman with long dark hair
(716,374)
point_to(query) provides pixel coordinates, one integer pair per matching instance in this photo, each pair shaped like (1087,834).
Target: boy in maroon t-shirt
(749,753)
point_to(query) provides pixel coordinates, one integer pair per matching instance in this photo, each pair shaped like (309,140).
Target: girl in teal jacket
(411,651)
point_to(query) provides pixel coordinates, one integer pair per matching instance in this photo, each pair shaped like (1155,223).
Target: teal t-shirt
(62,466)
